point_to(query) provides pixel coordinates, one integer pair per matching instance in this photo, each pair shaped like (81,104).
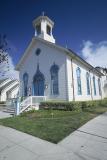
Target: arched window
(78,72)
(48,30)
(25,83)
(54,79)
(88,83)
(99,86)
(94,85)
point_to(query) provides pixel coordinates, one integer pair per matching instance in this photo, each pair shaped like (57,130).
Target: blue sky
(81,24)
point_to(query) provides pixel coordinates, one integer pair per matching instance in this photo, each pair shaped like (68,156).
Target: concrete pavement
(15,145)
(90,141)
(87,143)
(4,115)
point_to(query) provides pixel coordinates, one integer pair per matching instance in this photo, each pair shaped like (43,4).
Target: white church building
(47,69)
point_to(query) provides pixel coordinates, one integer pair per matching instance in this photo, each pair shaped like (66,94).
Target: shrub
(69,106)
(2,102)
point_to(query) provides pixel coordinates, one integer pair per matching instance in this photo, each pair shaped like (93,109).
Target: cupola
(43,28)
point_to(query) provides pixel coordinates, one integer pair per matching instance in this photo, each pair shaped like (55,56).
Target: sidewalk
(4,115)
(87,143)
(90,141)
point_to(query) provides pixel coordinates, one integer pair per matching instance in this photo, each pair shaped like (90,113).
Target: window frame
(94,85)
(88,83)
(54,79)
(99,86)
(79,85)
(25,83)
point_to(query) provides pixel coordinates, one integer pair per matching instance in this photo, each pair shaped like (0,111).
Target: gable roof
(14,87)
(2,80)
(7,85)
(67,51)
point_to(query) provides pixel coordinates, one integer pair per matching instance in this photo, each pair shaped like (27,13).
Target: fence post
(31,101)
(17,107)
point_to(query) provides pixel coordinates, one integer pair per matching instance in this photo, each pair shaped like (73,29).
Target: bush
(2,102)
(69,106)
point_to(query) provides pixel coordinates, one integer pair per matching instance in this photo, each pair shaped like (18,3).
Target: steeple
(43,28)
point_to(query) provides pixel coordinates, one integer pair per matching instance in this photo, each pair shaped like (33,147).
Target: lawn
(52,125)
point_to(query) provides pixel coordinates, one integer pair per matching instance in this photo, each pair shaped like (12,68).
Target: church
(47,69)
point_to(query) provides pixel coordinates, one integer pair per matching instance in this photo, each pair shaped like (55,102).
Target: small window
(38,29)
(48,30)
(25,83)
(94,85)
(78,72)
(99,86)
(54,79)
(88,83)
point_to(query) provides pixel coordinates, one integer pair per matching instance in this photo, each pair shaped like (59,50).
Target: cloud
(95,54)
(7,70)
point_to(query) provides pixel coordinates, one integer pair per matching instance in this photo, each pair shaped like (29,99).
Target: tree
(4,57)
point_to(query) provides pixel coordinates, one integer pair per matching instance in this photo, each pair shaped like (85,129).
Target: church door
(39,88)
(38,83)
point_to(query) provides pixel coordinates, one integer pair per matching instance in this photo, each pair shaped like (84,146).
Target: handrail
(31,101)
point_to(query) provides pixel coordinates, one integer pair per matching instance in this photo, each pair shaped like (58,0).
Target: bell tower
(43,28)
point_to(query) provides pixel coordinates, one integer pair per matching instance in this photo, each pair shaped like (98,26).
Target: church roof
(6,85)
(67,51)
(40,18)
(2,80)
(14,87)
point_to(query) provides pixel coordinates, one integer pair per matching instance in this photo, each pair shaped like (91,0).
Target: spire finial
(43,13)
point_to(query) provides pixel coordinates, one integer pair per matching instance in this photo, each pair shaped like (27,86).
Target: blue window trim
(88,83)
(78,72)
(99,86)
(25,83)
(54,79)
(94,85)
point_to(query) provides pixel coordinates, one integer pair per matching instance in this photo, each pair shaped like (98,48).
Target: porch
(31,102)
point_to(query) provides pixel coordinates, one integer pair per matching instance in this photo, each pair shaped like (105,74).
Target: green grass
(52,125)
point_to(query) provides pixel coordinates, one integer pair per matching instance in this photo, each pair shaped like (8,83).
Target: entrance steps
(31,102)
(10,110)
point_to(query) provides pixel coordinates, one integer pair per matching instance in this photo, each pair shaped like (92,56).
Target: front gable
(35,44)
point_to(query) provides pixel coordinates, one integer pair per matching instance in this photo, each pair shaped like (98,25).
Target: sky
(79,24)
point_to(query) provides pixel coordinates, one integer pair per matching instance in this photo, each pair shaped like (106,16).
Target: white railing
(38,99)
(32,102)
(25,104)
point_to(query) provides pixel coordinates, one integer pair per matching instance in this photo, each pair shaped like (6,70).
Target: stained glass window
(54,79)
(25,83)
(94,85)
(88,83)
(78,72)
(99,86)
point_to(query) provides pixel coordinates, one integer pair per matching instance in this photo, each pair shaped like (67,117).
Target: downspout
(72,81)
(91,86)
